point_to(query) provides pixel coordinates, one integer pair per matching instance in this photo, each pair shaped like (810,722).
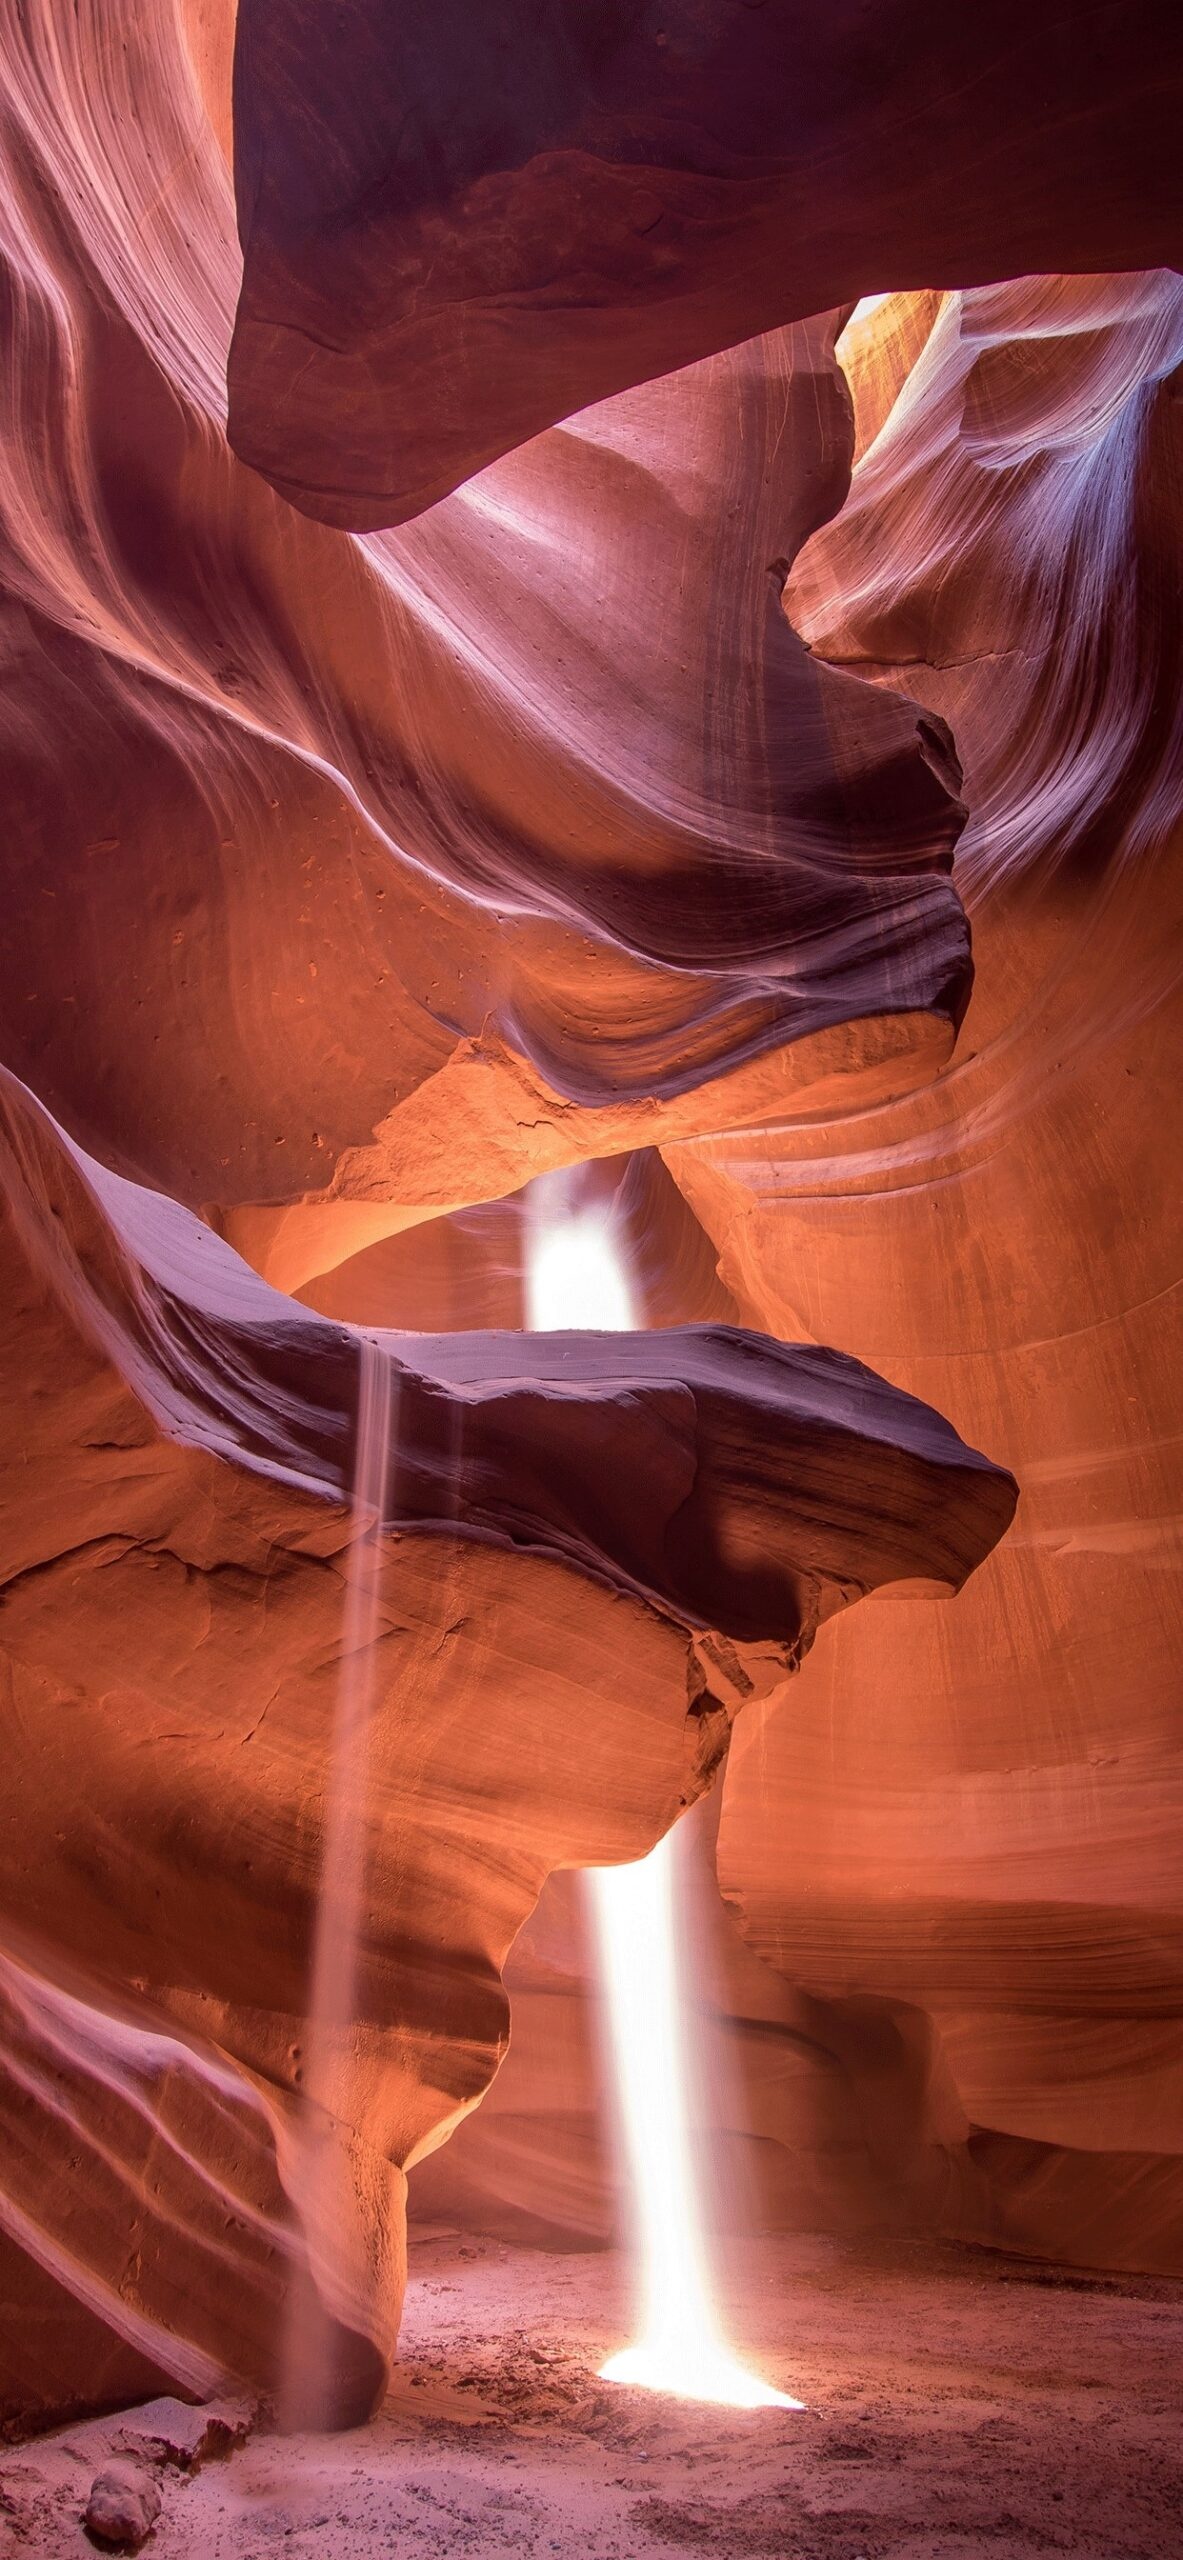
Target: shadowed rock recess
(457,232)
(357,871)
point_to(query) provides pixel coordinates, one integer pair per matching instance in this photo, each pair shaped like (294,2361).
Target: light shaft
(576,1276)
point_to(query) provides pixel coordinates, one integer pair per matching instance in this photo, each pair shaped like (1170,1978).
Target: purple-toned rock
(184,2436)
(455,233)
(123,2506)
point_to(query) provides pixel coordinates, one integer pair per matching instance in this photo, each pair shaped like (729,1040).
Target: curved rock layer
(953,1850)
(978,1829)
(459,229)
(355,881)
(347,883)
(561,1646)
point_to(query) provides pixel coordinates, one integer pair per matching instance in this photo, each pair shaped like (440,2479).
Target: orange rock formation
(605,816)
(958,1843)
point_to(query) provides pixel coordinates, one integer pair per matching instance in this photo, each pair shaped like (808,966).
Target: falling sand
(310,2379)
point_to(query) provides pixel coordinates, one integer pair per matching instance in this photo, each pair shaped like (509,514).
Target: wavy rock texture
(353,881)
(957,1842)
(977,1829)
(457,230)
(548,1692)
(463,879)
(348,882)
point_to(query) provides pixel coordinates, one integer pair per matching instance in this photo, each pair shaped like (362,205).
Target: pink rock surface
(981,1830)
(461,229)
(493,844)
(122,2508)
(569,1516)
(352,880)
(956,1843)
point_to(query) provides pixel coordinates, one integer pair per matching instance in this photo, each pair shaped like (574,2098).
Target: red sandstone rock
(348,884)
(983,1835)
(464,879)
(461,229)
(597,1548)
(956,1846)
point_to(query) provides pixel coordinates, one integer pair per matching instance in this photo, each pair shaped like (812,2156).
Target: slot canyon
(591,1807)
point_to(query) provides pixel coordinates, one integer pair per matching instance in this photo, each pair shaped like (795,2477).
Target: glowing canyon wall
(621,813)
(958,1840)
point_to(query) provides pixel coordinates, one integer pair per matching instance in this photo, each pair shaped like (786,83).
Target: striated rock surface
(460,229)
(352,882)
(561,1647)
(953,1849)
(977,1832)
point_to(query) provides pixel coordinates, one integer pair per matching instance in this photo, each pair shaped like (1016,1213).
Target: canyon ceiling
(508,671)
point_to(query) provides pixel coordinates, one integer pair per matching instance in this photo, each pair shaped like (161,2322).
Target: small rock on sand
(123,2506)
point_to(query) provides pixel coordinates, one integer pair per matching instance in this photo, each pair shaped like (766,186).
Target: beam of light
(576,1276)
(309,2378)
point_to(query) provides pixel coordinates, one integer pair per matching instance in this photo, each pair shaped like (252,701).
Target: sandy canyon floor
(957,2405)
